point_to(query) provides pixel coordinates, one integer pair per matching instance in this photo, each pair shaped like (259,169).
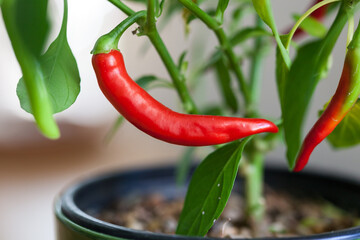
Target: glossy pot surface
(73,222)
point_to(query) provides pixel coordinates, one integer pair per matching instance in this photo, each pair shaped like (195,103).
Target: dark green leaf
(221,7)
(347,133)
(247,33)
(281,75)
(61,73)
(307,69)
(224,80)
(184,165)
(32,23)
(148,82)
(312,26)
(209,189)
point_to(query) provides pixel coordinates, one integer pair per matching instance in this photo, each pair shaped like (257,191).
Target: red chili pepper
(346,94)
(153,118)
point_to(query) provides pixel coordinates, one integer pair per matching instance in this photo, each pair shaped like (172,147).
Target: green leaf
(220,9)
(263,8)
(247,33)
(312,26)
(307,69)
(148,82)
(61,73)
(32,23)
(281,75)
(210,189)
(224,81)
(27,27)
(159,7)
(347,133)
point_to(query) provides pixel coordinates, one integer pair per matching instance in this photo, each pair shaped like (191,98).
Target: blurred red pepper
(345,97)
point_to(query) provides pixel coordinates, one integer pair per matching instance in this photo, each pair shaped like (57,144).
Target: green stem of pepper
(151,20)
(253,173)
(224,43)
(122,6)
(176,76)
(256,64)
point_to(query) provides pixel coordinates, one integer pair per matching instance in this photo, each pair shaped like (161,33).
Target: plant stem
(224,43)
(122,6)
(253,173)
(152,33)
(151,21)
(176,76)
(257,61)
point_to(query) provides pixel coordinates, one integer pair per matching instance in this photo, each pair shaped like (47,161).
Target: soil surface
(285,216)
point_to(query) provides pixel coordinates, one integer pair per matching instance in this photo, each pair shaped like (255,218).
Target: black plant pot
(74,224)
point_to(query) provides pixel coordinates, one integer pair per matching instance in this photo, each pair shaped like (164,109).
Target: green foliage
(32,23)
(209,189)
(312,26)
(61,74)
(347,133)
(224,82)
(221,7)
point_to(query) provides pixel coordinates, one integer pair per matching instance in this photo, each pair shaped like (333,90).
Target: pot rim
(70,214)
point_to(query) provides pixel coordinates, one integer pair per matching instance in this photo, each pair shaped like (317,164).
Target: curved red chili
(346,94)
(155,119)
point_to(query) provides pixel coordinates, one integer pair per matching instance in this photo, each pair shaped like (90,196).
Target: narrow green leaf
(281,75)
(148,82)
(61,73)
(32,23)
(220,9)
(347,133)
(210,189)
(312,26)
(114,128)
(263,8)
(224,81)
(307,69)
(247,33)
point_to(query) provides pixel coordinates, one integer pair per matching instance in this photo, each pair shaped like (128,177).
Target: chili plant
(240,134)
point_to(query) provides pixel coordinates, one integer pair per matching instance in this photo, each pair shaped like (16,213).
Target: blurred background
(34,170)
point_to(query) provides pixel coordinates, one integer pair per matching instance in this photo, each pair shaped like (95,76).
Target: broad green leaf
(247,33)
(312,26)
(32,23)
(220,9)
(307,69)
(224,81)
(347,133)
(209,189)
(61,73)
